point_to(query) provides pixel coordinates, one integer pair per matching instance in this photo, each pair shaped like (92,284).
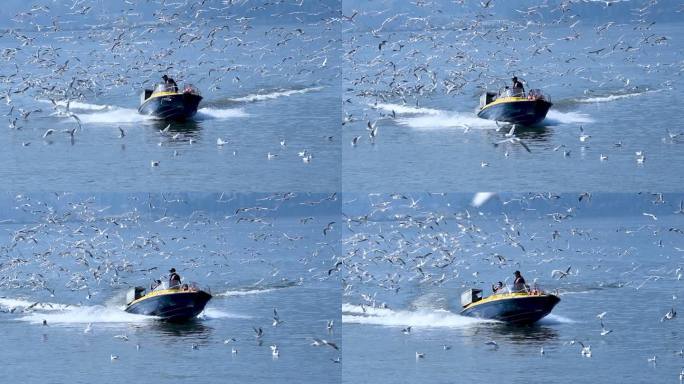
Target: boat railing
(162,87)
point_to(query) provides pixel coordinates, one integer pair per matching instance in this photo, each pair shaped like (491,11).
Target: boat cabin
(471,296)
(162,88)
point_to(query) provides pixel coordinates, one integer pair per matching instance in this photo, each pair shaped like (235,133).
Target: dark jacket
(174,279)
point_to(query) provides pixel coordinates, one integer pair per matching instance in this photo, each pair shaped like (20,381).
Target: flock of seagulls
(399,245)
(96,253)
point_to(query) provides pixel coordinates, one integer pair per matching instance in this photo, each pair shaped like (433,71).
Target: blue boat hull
(181,106)
(179,306)
(529,112)
(514,310)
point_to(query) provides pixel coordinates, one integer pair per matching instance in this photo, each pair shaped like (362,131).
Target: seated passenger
(498,287)
(155,284)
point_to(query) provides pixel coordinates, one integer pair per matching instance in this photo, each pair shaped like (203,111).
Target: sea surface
(622,262)
(269,77)
(416,73)
(69,259)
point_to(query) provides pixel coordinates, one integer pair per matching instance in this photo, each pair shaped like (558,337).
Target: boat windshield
(161,87)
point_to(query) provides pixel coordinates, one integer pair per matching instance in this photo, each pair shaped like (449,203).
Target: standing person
(170,83)
(519,282)
(518,88)
(174,278)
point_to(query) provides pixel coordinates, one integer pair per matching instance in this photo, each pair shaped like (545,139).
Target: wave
(556,117)
(405,109)
(447,120)
(84,315)
(273,95)
(118,115)
(14,304)
(213,313)
(555,319)
(256,290)
(423,318)
(609,98)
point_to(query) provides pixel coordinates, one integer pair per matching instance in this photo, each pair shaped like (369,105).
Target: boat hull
(176,306)
(526,309)
(177,106)
(522,112)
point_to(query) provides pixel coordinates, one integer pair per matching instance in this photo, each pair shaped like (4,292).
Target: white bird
(274,350)
(492,343)
(601,315)
(276,318)
(113,357)
(603,157)
(234,351)
(330,325)
(322,342)
(586,350)
(48,133)
(541,351)
(220,142)
(271,156)
(355,140)
(122,337)
(406,330)
(604,331)
(88,328)
(154,163)
(583,136)
(228,341)
(420,355)
(652,216)
(561,274)
(122,133)
(652,360)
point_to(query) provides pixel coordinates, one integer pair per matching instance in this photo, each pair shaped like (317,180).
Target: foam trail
(245,292)
(556,319)
(406,109)
(80,105)
(447,120)
(83,315)
(113,115)
(354,314)
(20,303)
(556,117)
(214,113)
(605,99)
(273,95)
(213,313)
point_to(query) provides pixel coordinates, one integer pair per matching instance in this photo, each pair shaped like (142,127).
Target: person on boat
(497,287)
(170,83)
(519,283)
(518,88)
(155,284)
(174,278)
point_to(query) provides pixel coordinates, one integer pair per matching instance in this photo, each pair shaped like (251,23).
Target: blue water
(621,262)
(264,80)
(422,86)
(69,259)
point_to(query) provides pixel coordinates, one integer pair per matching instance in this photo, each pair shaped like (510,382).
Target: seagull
(583,137)
(541,351)
(511,138)
(220,142)
(355,140)
(258,332)
(330,325)
(48,133)
(652,360)
(604,331)
(113,357)
(601,315)
(122,337)
(322,342)
(406,330)
(652,216)
(603,157)
(234,351)
(492,343)
(228,341)
(274,350)
(154,163)
(165,130)
(586,350)
(88,328)
(122,133)
(446,347)
(420,355)
(328,228)
(276,318)
(271,156)
(194,346)
(681,207)
(671,314)
(561,274)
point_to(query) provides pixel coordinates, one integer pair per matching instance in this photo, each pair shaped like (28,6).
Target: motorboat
(524,307)
(167,102)
(514,106)
(177,303)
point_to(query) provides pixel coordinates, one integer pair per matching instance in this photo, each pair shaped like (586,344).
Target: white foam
(246,292)
(447,120)
(113,115)
(556,319)
(406,109)
(604,99)
(481,197)
(274,95)
(213,113)
(23,304)
(80,105)
(84,315)
(213,313)
(557,117)
(418,319)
